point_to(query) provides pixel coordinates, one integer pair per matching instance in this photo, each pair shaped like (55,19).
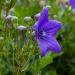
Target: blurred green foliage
(19,57)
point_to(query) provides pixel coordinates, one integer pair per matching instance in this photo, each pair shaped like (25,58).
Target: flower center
(42,33)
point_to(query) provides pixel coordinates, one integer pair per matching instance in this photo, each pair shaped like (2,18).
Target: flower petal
(43,46)
(52,43)
(51,27)
(72,3)
(35,28)
(43,16)
(48,43)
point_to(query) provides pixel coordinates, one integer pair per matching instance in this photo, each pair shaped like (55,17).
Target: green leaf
(48,59)
(45,61)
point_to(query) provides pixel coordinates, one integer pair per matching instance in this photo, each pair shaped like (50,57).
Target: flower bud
(8,18)
(8,21)
(21,38)
(48,6)
(8,1)
(37,16)
(3,13)
(14,20)
(7,4)
(27,19)
(21,30)
(42,3)
(1,38)
(11,11)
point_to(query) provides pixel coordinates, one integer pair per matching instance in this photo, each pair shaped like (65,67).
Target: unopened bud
(8,1)
(14,20)
(1,38)
(37,16)
(11,11)
(3,13)
(42,2)
(66,1)
(48,6)
(21,29)
(21,38)
(27,19)
(8,17)
(8,21)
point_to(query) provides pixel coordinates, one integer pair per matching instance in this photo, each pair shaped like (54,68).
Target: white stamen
(44,33)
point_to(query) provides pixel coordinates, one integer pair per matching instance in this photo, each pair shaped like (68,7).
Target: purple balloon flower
(45,31)
(72,3)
